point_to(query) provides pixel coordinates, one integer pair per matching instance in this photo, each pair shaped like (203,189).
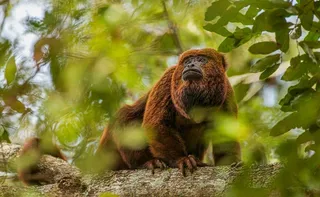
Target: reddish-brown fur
(174,137)
(29,174)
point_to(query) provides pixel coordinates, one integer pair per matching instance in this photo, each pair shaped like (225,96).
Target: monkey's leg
(141,159)
(168,145)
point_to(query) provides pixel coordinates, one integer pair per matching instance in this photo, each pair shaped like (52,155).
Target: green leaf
(228,16)
(308,51)
(227,45)
(217,8)
(305,84)
(269,71)
(306,20)
(266,62)
(4,50)
(242,33)
(297,32)
(14,103)
(304,137)
(304,117)
(265,4)
(252,12)
(241,91)
(299,100)
(285,103)
(261,23)
(289,122)
(311,44)
(271,21)
(243,19)
(4,135)
(312,36)
(299,93)
(263,47)
(296,69)
(277,19)
(11,70)
(239,37)
(282,38)
(217,29)
(242,36)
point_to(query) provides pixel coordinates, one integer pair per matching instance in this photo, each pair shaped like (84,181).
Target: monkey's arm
(228,152)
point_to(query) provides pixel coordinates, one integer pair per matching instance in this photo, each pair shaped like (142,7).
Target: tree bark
(68,180)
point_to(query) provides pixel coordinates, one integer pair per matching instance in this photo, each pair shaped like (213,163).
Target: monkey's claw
(237,164)
(154,163)
(191,162)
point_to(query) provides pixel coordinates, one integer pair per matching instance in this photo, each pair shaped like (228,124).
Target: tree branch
(68,181)
(173,28)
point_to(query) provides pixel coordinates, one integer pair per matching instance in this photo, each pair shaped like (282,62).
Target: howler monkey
(175,138)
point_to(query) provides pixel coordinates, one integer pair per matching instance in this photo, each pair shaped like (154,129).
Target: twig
(3,2)
(173,28)
(5,8)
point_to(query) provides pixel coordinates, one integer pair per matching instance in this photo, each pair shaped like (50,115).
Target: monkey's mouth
(191,74)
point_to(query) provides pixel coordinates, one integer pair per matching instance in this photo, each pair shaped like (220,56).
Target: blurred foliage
(66,66)
(286,23)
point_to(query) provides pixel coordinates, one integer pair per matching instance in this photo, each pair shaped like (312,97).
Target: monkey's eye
(195,61)
(188,60)
(202,59)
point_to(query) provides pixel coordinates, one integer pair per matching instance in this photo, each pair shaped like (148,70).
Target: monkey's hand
(154,163)
(190,161)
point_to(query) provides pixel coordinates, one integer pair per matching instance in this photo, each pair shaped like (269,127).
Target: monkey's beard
(210,91)
(202,94)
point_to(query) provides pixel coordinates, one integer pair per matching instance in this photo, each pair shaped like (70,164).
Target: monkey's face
(199,79)
(193,67)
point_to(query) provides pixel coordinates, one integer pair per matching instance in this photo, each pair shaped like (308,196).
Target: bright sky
(14,30)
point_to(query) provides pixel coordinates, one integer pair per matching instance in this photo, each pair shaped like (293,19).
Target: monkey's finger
(181,167)
(150,166)
(189,165)
(193,162)
(159,164)
(164,164)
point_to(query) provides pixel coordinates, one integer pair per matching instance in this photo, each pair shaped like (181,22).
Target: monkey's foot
(154,163)
(191,162)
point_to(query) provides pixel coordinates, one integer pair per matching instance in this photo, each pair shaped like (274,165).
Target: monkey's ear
(224,62)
